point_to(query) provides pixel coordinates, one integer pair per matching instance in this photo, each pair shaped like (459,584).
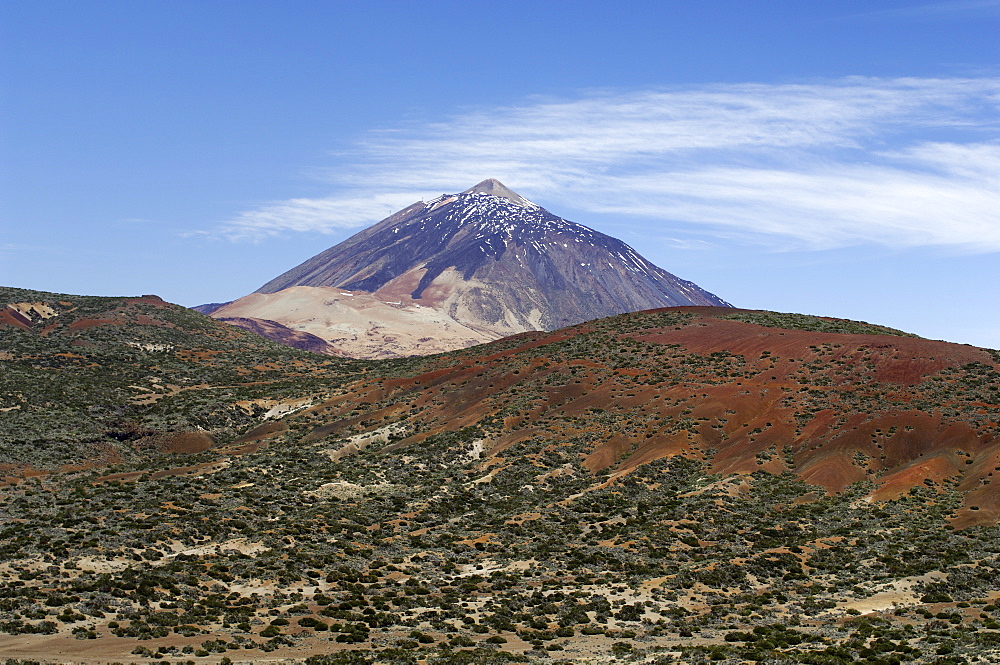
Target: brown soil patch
(10,317)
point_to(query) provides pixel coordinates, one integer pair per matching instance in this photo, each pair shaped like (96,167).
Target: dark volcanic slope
(274,331)
(513,256)
(210,307)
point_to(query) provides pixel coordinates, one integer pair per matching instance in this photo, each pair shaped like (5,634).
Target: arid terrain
(686,485)
(362,324)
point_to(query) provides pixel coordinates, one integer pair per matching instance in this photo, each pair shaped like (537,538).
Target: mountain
(460,270)
(691,484)
(210,307)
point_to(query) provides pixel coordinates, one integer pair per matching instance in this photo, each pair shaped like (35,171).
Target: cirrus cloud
(904,162)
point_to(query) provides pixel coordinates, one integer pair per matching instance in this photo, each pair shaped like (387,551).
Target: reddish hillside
(834,402)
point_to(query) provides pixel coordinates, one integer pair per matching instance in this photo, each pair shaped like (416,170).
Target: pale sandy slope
(362,325)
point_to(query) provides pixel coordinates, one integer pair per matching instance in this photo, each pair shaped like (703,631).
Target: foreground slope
(683,485)
(460,270)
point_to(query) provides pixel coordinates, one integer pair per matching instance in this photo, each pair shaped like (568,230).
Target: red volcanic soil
(10,317)
(81,324)
(833,408)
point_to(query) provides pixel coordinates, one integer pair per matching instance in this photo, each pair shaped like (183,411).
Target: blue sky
(836,158)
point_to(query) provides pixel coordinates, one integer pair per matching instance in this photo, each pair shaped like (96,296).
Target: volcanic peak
(490,213)
(494,187)
(486,259)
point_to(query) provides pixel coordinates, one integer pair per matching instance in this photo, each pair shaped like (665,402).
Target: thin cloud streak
(905,162)
(848,206)
(324,215)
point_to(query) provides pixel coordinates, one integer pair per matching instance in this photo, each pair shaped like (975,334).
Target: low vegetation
(601,494)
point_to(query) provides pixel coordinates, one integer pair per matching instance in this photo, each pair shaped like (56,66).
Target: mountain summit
(497,188)
(481,264)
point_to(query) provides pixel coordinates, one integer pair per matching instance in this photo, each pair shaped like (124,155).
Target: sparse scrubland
(687,485)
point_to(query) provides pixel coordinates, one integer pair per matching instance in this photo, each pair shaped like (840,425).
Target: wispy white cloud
(324,215)
(907,162)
